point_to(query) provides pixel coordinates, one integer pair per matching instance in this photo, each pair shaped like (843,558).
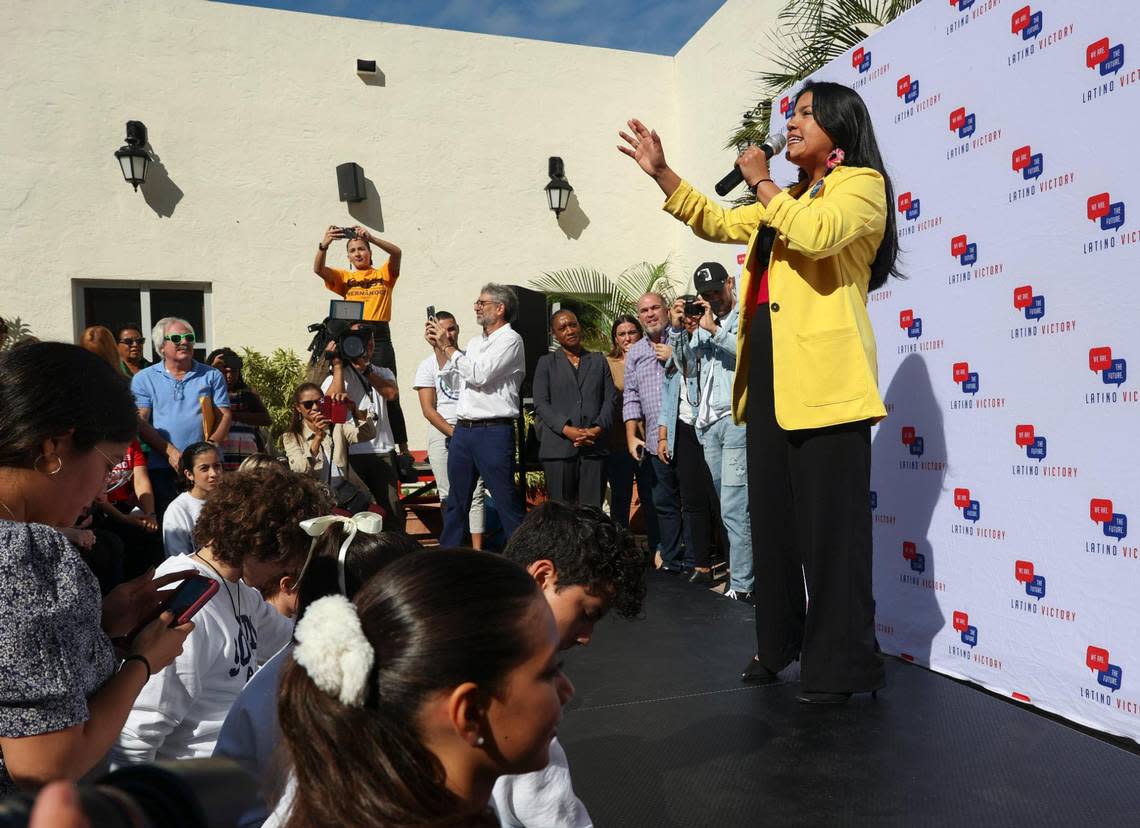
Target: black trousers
(384,355)
(809,493)
(378,471)
(579,479)
(699,506)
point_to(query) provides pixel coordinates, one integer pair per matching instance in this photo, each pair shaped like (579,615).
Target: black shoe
(757,673)
(816,697)
(699,577)
(738,595)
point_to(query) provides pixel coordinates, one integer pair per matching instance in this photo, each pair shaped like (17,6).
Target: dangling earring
(479,742)
(835,159)
(58,465)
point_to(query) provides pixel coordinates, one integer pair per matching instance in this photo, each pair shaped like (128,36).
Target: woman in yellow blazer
(806,380)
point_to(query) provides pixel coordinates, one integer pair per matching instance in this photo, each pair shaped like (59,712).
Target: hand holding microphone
(752,164)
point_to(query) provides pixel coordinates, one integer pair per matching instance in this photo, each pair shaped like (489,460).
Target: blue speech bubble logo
(915,209)
(1117,527)
(967,128)
(970,636)
(1038,450)
(1036,166)
(912,92)
(971,254)
(1034,27)
(1116,374)
(1114,61)
(1115,217)
(964,4)
(1036,587)
(973,512)
(865,63)
(918,563)
(970,386)
(915,329)
(1110,678)
(874,500)
(917,447)
(1036,308)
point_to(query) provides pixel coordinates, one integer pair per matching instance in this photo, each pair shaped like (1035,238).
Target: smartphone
(431,312)
(347,232)
(333,411)
(183,600)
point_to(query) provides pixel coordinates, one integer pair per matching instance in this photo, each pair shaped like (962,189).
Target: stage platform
(662,733)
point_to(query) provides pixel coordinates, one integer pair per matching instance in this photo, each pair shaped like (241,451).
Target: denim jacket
(716,355)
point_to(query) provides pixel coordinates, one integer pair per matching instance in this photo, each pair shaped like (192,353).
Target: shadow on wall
(375,79)
(369,212)
(159,191)
(573,221)
(911,495)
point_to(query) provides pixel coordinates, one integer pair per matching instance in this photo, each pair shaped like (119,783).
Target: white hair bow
(368,522)
(333,649)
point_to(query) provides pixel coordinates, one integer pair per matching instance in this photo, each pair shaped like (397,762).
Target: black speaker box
(350,181)
(531,324)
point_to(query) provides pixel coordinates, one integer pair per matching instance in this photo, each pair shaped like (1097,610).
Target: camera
(349,233)
(188,793)
(694,308)
(336,327)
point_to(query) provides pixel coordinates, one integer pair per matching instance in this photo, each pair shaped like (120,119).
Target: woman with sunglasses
(179,397)
(131,342)
(318,447)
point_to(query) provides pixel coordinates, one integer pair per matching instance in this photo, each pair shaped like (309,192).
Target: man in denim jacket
(712,347)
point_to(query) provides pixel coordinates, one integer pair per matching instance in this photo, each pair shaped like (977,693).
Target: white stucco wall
(250,110)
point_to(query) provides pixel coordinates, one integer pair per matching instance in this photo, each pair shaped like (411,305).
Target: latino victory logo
(1026,23)
(910,323)
(962,122)
(1035,445)
(1110,214)
(964,250)
(1030,303)
(1113,370)
(1104,57)
(1107,674)
(1113,524)
(971,508)
(909,206)
(907,88)
(966,378)
(913,441)
(1029,163)
(861,60)
(916,559)
(967,631)
(1034,583)
(787,106)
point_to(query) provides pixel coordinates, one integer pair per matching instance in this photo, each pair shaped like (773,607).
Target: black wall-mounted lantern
(134,157)
(559,189)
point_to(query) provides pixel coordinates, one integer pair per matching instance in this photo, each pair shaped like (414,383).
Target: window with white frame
(117,303)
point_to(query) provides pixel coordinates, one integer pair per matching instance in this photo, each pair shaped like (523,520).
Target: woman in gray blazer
(574,403)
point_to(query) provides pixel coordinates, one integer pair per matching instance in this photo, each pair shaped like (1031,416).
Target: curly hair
(587,548)
(257,513)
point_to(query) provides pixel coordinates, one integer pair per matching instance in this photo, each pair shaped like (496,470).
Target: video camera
(337,327)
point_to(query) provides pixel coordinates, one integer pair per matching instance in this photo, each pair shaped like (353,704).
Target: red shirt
(124,469)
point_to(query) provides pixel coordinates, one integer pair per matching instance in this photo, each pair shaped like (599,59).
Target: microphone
(773,145)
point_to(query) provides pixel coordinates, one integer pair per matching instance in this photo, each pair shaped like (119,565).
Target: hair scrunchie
(332,648)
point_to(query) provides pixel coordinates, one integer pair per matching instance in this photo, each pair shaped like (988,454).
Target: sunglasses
(126,340)
(308,404)
(178,339)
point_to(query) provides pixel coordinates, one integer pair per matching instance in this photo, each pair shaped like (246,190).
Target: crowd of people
(429,678)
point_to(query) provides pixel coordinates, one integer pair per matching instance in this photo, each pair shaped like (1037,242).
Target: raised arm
(327,273)
(394,252)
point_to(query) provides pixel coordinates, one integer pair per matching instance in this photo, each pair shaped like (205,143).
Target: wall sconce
(559,189)
(134,158)
(350,182)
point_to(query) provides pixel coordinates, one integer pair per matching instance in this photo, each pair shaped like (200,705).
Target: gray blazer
(563,396)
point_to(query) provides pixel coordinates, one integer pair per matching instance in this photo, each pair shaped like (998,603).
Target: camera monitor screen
(339,309)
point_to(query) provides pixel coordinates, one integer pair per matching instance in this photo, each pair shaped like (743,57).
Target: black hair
(588,548)
(444,315)
(841,113)
(186,462)
(296,421)
(129,326)
(619,320)
(367,555)
(558,313)
(51,388)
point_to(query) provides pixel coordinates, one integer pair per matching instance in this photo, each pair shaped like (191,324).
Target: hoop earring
(58,467)
(835,159)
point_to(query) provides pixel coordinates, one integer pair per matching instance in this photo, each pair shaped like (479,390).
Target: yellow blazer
(825,369)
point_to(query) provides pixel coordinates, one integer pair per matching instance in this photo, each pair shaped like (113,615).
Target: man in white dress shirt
(491,372)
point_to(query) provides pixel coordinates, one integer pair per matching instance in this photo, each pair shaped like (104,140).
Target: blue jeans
(621,470)
(666,502)
(480,452)
(726,454)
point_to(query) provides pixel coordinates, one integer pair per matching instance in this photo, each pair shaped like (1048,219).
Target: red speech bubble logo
(740,257)
(961,498)
(1023,296)
(961,371)
(784,105)
(1021,157)
(1097,52)
(1023,571)
(958,245)
(1098,206)
(1100,510)
(910,550)
(961,621)
(906,318)
(957,118)
(1021,19)
(904,202)
(1096,658)
(1023,435)
(903,86)
(1100,359)
(908,435)
(857,57)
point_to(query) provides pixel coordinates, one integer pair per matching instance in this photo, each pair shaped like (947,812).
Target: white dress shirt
(492,371)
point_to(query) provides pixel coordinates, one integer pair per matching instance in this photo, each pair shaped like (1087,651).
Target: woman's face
(232,375)
(360,254)
(626,334)
(206,472)
(808,144)
(307,405)
(567,331)
(80,480)
(131,345)
(523,718)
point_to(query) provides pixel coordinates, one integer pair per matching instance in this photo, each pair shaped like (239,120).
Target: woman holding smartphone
(66,419)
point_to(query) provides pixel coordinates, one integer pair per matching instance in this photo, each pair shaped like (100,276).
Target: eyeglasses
(126,340)
(308,404)
(118,475)
(178,339)
(482,302)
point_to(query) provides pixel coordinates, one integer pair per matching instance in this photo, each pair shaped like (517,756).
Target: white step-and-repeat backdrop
(1009,465)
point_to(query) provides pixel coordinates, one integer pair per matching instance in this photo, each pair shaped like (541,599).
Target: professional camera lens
(353,346)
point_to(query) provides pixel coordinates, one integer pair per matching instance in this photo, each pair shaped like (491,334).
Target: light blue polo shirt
(175,407)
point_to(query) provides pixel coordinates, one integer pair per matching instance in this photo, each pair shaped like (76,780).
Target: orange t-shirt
(373,287)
